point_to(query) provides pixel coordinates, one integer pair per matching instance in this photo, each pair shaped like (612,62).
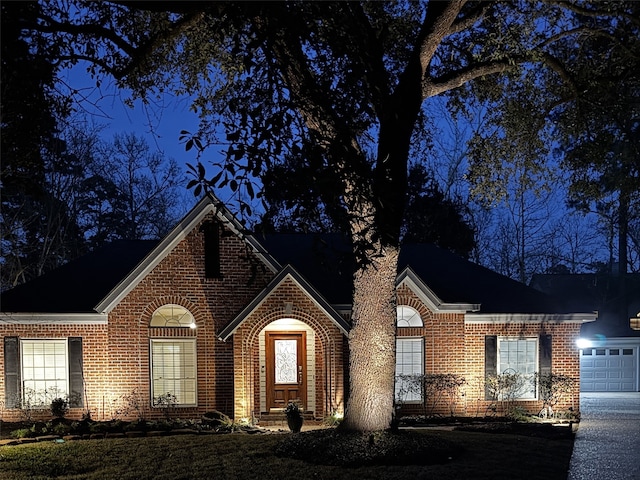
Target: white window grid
(408,317)
(409,361)
(45,370)
(520,355)
(174,370)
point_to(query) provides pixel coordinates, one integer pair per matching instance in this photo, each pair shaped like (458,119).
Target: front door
(286,369)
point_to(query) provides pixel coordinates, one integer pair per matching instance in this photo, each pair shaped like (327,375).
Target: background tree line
(67,189)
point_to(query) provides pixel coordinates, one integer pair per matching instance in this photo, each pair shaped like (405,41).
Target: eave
(580,318)
(22,318)
(409,278)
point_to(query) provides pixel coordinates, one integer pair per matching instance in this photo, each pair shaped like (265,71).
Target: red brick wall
(451,346)
(116,356)
(94,352)
(214,302)
(329,347)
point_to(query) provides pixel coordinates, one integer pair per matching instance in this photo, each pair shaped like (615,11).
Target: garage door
(608,369)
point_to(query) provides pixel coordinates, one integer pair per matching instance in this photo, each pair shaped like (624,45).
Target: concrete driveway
(607,444)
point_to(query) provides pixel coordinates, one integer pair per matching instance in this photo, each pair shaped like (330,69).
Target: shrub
(167,403)
(431,388)
(506,388)
(59,407)
(552,387)
(333,419)
(61,429)
(21,433)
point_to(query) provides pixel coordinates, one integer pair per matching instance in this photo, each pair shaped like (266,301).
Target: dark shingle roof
(456,280)
(325,261)
(78,286)
(601,292)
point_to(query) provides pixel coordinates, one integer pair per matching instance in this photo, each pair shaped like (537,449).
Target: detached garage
(610,368)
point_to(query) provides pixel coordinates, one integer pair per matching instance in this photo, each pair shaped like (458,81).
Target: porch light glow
(583,343)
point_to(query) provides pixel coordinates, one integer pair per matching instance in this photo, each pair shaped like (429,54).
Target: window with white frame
(409,369)
(172,315)
(408,317)
(173,371)
(45,371)
(517,365)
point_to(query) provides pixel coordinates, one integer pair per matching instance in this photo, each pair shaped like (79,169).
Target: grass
(472,455)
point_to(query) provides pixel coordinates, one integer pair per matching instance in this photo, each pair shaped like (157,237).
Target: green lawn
(242,456)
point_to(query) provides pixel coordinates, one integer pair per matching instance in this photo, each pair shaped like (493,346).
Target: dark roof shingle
(78,286)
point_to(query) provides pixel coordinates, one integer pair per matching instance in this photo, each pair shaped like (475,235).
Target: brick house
(222,319)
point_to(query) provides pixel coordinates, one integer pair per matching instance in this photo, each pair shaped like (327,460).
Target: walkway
(607,444)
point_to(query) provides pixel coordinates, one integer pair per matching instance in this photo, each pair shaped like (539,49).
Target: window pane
(518,362)
(44,370)
(172,316)
(173,370)
(286,353)
(408,317)
(409,362)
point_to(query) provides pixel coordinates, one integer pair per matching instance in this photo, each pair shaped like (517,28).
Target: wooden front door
(286,369)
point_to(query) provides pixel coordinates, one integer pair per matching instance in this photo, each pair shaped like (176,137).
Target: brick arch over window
(405,297)
(145,318)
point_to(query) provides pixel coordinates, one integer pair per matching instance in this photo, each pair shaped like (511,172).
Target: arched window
(408,317)
(172,316)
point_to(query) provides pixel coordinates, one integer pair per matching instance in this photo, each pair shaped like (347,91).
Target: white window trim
(159,320)
(195,363)
(422,343)
(415,313)
(536,362)
(32,341)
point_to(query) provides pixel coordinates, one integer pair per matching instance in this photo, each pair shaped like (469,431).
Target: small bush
(98,427)
(21,433)
(333,419)
(167,403)
(59,407)
(61,429)
(431,388)
(552,387)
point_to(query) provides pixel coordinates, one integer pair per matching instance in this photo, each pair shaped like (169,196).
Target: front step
(280,420)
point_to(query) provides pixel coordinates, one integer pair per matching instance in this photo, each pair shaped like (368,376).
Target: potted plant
(294,417)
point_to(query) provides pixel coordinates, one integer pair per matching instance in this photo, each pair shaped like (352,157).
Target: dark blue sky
(159,123)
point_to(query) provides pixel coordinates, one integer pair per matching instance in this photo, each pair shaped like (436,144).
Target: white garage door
(610,369)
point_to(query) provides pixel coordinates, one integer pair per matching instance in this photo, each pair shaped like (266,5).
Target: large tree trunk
(372,345)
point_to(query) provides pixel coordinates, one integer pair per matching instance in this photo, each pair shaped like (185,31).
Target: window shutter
(11,372)
(544,354)
(490,361)
(75,372)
